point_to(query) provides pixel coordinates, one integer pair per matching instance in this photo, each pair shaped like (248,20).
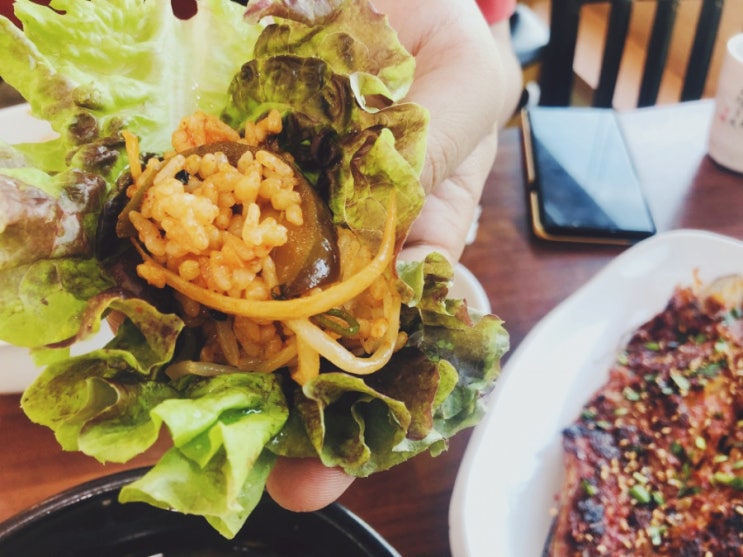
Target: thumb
(305,484)
(451,208)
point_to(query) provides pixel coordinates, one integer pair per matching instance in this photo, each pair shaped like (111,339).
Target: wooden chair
(556,77)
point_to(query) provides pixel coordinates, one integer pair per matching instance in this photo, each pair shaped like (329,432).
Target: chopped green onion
(588,414)
(710,370)
(639,493)
(332,318)
(681,382)
(655,533)
(730,480)
(677,449)
(630,394)
(721,346)
(658,498)
(654,346)
(665,389)
(700,443)
(689,490)
(589,488)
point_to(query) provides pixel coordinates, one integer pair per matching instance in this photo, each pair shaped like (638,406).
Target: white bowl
(17,367)
(466,286)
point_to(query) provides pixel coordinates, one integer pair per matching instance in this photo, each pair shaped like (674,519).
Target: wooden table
(524,279)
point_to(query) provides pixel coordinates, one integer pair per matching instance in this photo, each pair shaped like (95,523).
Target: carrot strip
(282,310)
(132,152)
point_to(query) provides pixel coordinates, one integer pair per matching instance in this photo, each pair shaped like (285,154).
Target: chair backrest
(556,76)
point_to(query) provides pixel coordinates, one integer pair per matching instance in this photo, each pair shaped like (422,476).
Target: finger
(305,484)
(450,209)
(455,51)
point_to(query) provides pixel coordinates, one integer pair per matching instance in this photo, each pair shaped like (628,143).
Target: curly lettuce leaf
(428,392)
(369,53)
(361,157)
(99,403)
(318,64)
(45,302)
(178,484)
(94,67)
(218,466)
(111,404)
(46,216)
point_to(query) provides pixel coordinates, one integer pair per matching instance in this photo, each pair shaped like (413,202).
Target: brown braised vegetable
(310,256)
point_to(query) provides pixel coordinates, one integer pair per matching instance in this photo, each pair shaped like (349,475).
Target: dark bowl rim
(336,515)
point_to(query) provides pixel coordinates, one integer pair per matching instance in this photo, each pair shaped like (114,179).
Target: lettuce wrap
(337,74)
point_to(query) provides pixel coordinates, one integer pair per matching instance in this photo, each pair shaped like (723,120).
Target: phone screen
(582,180)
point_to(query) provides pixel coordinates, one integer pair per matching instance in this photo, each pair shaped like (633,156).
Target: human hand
(460,80)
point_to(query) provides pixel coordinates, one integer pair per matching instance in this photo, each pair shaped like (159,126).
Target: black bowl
(88,521)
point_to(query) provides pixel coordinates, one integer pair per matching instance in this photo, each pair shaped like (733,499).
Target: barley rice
(215,225)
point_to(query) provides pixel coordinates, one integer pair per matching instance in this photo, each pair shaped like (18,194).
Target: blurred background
(594,18)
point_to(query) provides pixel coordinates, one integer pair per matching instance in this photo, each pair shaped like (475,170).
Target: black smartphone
(581,182)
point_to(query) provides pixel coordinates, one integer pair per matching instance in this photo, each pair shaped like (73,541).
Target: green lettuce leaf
(92,68)
(361,158)
(111,403)
(318,65)
(176,483)
(44,302)
(428,392)
(98,66)
(45,216)
(218,465)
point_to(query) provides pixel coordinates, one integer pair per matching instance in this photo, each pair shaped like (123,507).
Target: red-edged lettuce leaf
(111,404)
(47,267)
(45,217)
(357,159)
(44,302)
(321,78)
(99,402)
(370,53)
(428,392)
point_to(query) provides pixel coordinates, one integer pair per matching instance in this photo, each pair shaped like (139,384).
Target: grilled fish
(654,463)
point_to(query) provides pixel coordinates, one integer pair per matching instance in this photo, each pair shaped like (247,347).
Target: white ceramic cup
(726,130)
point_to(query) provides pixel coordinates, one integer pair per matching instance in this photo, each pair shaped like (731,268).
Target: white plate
(18,370)
(510,476)
(18,126)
